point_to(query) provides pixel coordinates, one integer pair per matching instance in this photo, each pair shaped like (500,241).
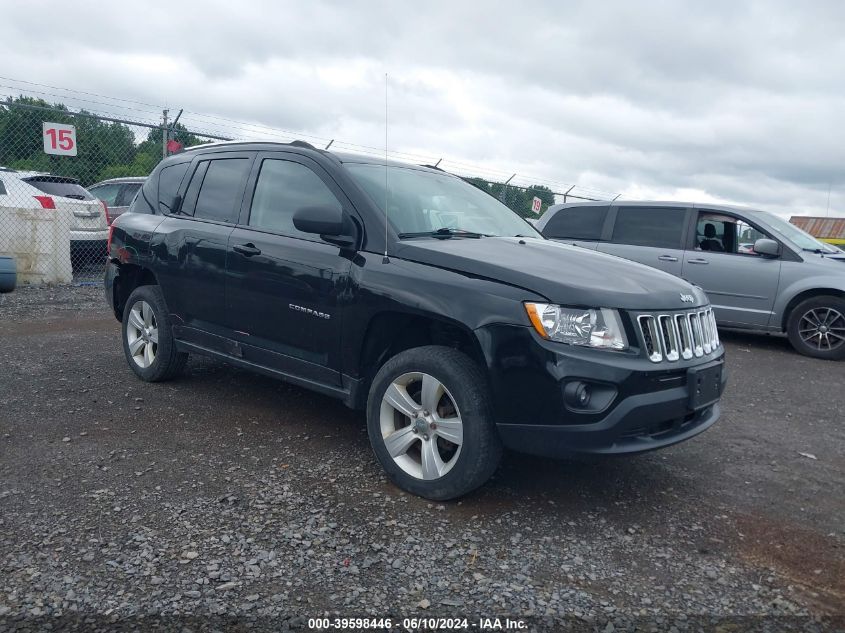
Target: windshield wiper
(818,251)
(443,234)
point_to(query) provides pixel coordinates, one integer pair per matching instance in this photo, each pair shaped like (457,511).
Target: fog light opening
(578,394)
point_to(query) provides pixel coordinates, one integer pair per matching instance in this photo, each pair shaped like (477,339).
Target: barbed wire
(227,126)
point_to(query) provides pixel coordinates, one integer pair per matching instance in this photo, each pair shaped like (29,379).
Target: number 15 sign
(59,139)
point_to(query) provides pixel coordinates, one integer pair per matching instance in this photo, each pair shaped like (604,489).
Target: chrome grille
(650,338)
(670,337)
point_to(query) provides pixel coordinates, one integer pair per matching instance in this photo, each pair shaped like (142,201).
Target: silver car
(117,193)
(759,271)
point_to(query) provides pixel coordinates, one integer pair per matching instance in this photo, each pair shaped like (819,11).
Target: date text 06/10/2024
(417,624)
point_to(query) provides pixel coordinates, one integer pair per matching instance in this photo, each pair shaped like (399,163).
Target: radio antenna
(385,259)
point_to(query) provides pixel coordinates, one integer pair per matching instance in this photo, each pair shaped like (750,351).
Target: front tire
(816,327)
(148,341)
(430,423)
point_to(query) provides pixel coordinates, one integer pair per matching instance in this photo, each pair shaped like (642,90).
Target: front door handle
(667,258)
(247,249)
(697,260)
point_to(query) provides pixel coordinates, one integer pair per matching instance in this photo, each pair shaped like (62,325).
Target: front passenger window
(283,188)
(716,233)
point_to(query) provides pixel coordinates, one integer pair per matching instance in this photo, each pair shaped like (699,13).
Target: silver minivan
(759,271)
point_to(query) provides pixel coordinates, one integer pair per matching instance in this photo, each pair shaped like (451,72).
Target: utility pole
(164,134)
(827,211)
(503,196)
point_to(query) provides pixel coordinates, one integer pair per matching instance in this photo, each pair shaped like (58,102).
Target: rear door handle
(667,258)
(247,249)
(697,260)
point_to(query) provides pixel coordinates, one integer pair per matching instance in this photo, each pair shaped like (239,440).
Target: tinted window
(662,227)
(283,188)
(221,189)
(60,187)
(106,193)
(190,199)
(582,223)
(127,193)
(169,180)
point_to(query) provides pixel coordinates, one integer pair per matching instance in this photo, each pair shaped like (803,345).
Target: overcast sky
(733,101)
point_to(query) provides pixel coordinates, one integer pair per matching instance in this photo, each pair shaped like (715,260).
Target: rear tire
(148,341)
(430,423)
(816,327)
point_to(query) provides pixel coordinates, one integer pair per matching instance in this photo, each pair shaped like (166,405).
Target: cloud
(739,102)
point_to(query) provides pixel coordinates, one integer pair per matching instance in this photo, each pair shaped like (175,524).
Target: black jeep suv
(408,293)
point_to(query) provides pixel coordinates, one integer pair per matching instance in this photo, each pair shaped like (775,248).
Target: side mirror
(176,206)
(330,223)
(767,247)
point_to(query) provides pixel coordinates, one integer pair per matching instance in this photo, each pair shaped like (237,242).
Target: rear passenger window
(127,194)
(215,189)
(169,180)
(580,223)
(661,227)
(283,188)
(106,193)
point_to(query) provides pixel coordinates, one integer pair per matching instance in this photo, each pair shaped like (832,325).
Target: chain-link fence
(65,176)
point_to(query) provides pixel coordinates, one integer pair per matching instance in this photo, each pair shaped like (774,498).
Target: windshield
(795,235)
(424,202)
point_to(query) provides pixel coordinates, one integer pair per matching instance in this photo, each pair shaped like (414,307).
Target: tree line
(110,150)
(104,149)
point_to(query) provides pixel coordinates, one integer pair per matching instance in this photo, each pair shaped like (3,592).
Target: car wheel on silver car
(147,337)
(430,425)
(816,327)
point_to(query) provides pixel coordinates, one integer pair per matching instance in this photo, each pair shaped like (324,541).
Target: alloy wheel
(421,425)
(822,329)
(142,334)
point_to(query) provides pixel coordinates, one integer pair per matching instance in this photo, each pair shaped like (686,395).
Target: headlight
(593,327)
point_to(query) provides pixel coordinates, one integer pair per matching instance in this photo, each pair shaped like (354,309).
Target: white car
(89,229)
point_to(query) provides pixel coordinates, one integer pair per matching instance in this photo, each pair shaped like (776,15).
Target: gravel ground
(231,500)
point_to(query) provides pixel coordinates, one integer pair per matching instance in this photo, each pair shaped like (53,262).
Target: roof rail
(303,144)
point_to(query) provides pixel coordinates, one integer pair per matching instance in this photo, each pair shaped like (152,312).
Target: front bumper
(647,405)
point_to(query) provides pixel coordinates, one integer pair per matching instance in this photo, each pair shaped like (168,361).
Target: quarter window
(661,227)
(579,223)
(283,188)
(168,185)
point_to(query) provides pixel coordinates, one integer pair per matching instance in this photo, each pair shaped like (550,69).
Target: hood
(825,263)
(568,275)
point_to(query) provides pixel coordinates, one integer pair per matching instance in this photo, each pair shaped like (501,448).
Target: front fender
(414,289)
(790,294)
